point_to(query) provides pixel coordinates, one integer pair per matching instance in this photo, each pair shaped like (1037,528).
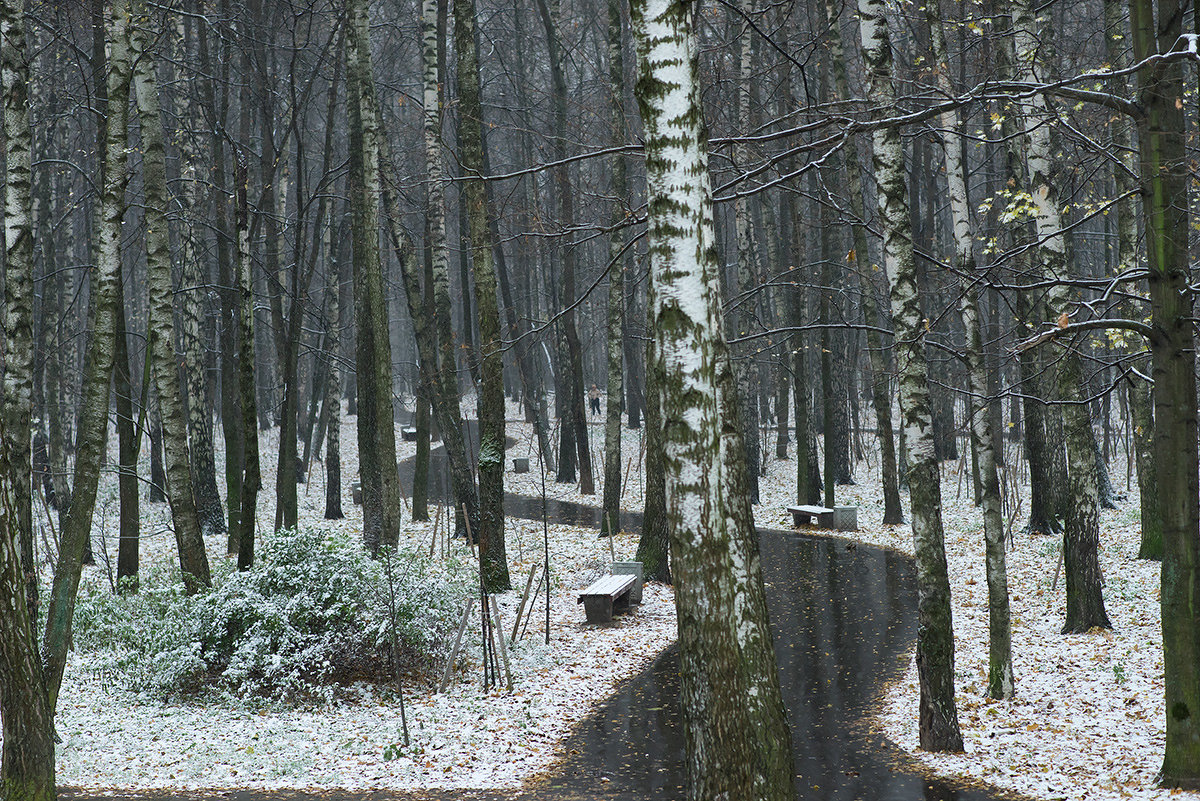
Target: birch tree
(433,325)
(738,745)
(1081,535)
(610,513)
(573,420)
(747,271)
(373,360)
(333,382)
(18,282)
(209,509)
(935,631)
(1000,667)
(881,396)
(27,763)
(490,533)
(250,480)
(193,560)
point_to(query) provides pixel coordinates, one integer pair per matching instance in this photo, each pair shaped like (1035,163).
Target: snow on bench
(804,515)
(605,596)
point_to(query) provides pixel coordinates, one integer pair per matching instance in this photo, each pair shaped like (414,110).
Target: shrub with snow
(312,617)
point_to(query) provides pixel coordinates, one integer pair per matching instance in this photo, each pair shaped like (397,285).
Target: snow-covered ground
(1086,721)
(464,737)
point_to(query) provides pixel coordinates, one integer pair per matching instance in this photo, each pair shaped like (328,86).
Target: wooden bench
(841,518)
(606,596)
(805,515)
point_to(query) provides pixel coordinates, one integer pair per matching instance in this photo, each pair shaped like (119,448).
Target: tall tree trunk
(128,442)
(27,770)
(745,367)
(18,287)
(332,405)
(881,396)
(1141,401)
(806,476)
(1081,538)
(735,730)
(490,532)
(228,294)
(1043,507)
(1140,392)
(1165,174)
(27,766)
(432,321)
(251,479)
(93,419)
(610,514)
(376,423)
(193,560)
(935,632)
(1000,667)
(209,509)
(573,416)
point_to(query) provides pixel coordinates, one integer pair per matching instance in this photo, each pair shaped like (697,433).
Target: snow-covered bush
(312,616)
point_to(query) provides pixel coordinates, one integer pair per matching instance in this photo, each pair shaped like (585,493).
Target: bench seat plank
(803,515)
(605,596)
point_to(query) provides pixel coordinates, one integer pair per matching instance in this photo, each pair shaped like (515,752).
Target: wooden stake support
(457,642)
(524,600)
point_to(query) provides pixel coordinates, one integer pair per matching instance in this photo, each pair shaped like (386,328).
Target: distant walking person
(594,399)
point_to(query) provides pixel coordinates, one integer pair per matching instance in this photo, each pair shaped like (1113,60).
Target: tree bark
(430,306)
(610,514)
(881,396)
(1141,402)
(193,560)
(573,416)
(18,286)
(332,405)
(735,730)
(376,423)
(251,479)
(209,509)
(1000,665)
(128,439)
(490,532)
(1164,176)
(93,419)
(935,632)
(27,764)
(745,368)
(1081,537)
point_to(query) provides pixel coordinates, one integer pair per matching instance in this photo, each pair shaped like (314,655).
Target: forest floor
(1087,719)
(117,740)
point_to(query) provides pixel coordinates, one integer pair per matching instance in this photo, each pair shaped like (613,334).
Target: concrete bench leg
(598,609)
(845,518)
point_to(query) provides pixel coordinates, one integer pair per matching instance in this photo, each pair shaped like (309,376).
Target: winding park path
(843,617)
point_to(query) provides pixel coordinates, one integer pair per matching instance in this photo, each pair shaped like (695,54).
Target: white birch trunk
(193,561)
(737,739)
(18,283)
(1081,535)
(935,632)
(1000,667)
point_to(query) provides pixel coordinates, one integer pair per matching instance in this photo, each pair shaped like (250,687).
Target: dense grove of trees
(740,218)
